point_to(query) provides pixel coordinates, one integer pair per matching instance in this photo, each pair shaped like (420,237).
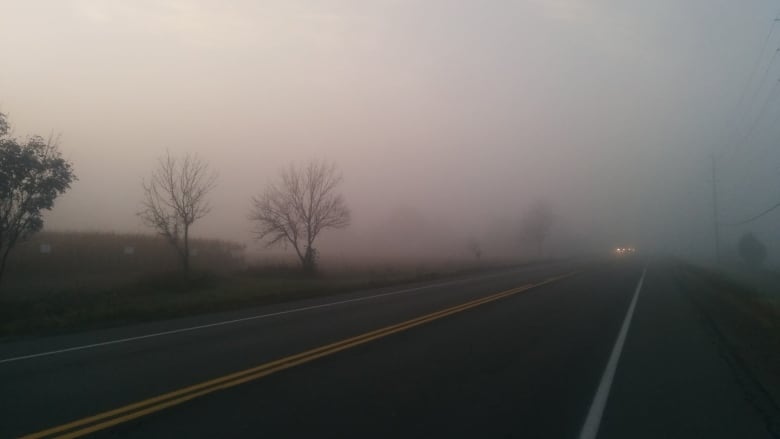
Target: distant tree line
(292,211)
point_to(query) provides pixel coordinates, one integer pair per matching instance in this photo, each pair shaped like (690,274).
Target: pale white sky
(464,110)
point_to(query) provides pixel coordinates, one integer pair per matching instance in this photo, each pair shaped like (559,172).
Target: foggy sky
(464,112)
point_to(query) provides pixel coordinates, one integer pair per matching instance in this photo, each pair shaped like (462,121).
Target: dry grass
(87,281)
(167,295)
(91,260)
(746,319)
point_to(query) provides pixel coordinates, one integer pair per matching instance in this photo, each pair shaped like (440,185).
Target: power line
(753,71)
(752,218)
(750,184)
(734,138)
(748,180)
(770,98)
(746,175)
(764,106)
(763,77)
(757,63)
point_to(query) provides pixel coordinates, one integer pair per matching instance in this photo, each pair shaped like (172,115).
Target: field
(53,260)
(61,281)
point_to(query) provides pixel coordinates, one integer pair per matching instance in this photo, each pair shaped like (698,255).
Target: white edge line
(244,319)
(591,426)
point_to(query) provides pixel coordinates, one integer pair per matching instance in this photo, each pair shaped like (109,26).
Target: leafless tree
(475,248)
(299,207)
(175,197)
(536,223)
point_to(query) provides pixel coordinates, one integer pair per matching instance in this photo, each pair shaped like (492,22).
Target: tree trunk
(185,257)
(3,259)
(309,261)
(304,263)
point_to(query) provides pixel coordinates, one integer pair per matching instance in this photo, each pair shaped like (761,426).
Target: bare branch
(175,197)
(303,204)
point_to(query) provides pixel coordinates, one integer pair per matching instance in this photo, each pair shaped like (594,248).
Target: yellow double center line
(129,412)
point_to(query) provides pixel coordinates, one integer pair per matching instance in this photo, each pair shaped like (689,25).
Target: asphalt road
(520,353)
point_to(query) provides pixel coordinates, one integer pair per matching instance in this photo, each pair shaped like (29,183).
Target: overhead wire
(764,76)
(770,97)
(752,218)
(757,62)
(738,142)
(760,153)
(749,83)
(743,178)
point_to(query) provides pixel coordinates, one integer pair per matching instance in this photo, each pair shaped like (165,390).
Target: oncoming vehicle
(624,251)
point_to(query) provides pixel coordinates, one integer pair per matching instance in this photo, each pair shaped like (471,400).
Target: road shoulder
(675,378)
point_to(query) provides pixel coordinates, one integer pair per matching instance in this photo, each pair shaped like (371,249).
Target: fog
(447,118)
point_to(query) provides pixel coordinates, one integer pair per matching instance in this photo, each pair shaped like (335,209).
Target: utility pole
(715,221)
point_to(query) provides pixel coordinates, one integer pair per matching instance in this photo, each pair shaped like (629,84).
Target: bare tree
(299,207)
(536,223)
(175,197)
(32,175)
(475,248)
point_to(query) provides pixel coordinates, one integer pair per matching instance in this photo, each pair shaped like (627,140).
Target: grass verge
(747,322)
(166,296)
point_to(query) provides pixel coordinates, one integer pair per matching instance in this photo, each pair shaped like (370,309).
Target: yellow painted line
(128,412)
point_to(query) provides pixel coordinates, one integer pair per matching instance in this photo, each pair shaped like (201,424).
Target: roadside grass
(166,295)
(746,320)
(758,305)
(67,281)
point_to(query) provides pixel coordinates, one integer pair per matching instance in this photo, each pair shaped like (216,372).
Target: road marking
(126,413)
(591,426)
(241,320)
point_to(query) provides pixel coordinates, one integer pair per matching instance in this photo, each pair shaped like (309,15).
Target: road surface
(607,349)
